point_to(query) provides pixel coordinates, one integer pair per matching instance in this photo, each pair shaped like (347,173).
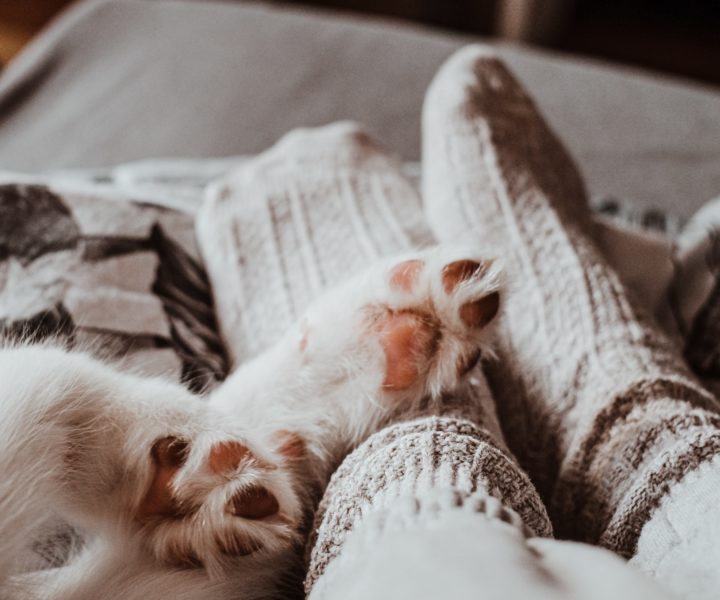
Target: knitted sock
(417,471)
(431,509)
(679,545)
(597,405)
(318,206)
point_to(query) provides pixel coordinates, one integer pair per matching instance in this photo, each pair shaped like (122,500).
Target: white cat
(182,497)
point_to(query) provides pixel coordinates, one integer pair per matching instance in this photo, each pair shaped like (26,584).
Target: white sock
(315,208)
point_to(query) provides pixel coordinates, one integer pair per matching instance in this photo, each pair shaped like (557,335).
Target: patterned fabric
(411,459)
(94,265)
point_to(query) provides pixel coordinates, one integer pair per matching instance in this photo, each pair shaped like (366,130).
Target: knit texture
(595,402)
(451,545)
(678,546)
(317,207)
(448,459)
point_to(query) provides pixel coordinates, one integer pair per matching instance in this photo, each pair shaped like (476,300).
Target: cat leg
(410,327)
(398,339)
(76,436)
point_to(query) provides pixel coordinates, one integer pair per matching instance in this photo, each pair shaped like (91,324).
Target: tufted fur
(177,497)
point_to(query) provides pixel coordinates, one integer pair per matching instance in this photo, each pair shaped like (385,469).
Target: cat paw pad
(210,501)
(432,325)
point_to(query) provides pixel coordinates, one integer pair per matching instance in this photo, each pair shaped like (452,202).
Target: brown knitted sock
(598,405)
(319,206)
(417,470)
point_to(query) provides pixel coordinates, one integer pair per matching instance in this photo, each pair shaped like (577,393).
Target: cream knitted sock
(431,509)
(679,545)
(320,205)
(598,405)
(418,470)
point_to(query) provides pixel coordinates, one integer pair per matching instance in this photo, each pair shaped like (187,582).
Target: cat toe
(168,455)
(210,500)
(460,271)
(404,275)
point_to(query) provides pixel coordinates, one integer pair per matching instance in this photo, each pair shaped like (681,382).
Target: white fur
(76,434)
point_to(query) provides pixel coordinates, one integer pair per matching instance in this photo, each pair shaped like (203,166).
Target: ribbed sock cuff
(427,466)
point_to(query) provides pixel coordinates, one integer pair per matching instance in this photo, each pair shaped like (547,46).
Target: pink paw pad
(290,445)
(254,502)
(168,456)
(456,272)
(476,313)
(225,457)
(407,339)
(404,275)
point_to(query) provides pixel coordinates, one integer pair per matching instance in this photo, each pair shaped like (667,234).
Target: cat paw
(211,501)
(422,322)
(433,326)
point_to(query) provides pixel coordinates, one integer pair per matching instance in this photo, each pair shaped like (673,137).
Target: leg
(421,510)
(598,405)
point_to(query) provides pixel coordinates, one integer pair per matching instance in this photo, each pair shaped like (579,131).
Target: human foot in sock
(319,205)
(399,522)
(597,405)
